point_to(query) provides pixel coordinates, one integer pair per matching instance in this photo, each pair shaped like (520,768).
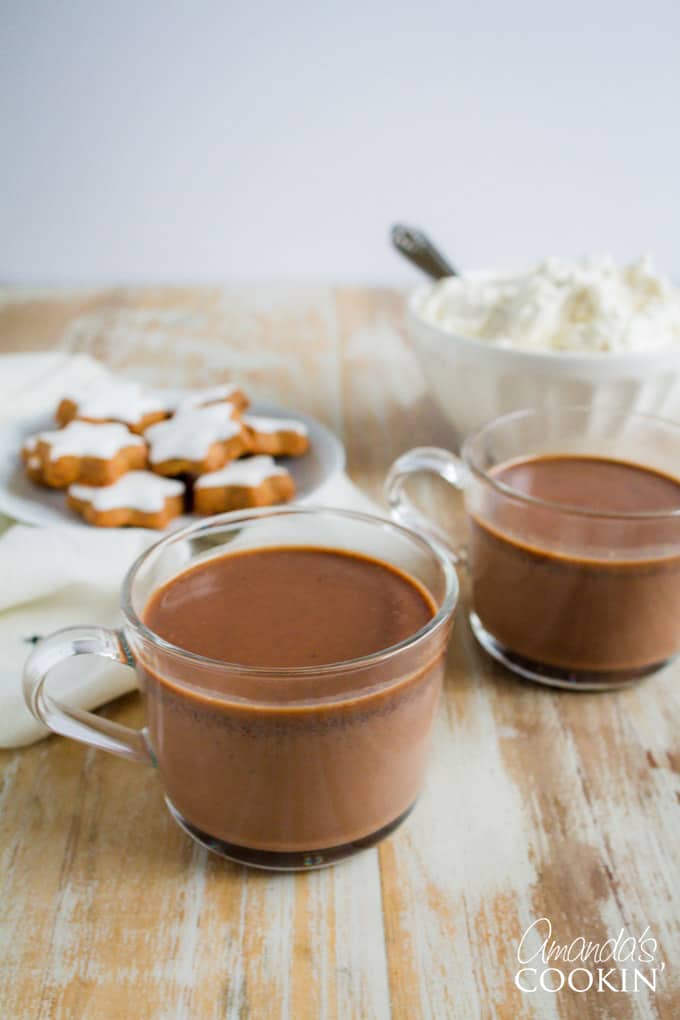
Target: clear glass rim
(443,613)
(468,455)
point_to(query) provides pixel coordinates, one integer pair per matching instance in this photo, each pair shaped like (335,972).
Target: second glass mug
(572,597)
(279,768)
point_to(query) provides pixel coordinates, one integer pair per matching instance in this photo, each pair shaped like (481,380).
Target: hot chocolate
(286,772)
(584,576)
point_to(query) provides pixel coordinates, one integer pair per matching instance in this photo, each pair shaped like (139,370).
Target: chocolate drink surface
(595,588)
(297,760)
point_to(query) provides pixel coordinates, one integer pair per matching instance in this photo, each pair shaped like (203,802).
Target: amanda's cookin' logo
(626,963)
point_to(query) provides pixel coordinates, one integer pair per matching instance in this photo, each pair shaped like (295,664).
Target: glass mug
(566,596)
(277,768)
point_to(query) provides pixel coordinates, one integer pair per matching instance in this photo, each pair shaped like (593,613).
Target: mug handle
(74,722)
(433,460)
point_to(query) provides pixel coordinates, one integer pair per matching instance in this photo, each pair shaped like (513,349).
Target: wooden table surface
(538,804)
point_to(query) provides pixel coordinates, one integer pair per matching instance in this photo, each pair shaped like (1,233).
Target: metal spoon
(416,246)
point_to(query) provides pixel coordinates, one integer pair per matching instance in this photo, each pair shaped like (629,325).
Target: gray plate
(24,501)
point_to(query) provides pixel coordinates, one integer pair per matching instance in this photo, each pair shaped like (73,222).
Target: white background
(221,140)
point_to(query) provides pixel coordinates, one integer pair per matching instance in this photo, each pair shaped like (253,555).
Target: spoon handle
(418,249)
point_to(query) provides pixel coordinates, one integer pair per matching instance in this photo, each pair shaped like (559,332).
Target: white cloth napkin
(64,575)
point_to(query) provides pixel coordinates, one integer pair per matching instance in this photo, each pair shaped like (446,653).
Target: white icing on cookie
(190,434)
(118,398)
(137,490)
(176,400)
(273,425)
(247,473)
(84,439)
(34,463)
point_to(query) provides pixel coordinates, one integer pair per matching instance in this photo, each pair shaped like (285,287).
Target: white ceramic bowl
(475,381)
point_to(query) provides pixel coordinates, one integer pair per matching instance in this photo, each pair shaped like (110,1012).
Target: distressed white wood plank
(361,961)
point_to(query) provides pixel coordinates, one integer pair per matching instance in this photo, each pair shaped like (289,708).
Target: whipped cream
(590,305)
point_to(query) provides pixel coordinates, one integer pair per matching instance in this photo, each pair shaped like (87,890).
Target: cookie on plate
(118,400)
(178,400)
(140,499)
(196,441)
(279,437)
(83,452)
(253,481)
